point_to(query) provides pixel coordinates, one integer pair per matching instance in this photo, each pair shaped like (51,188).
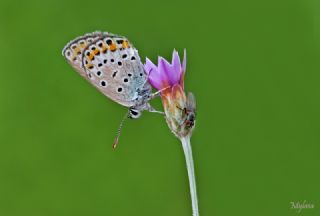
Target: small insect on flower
(189,111)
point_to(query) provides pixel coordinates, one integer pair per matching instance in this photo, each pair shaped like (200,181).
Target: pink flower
(179,109)
(166,74)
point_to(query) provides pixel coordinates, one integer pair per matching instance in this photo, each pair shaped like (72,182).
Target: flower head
(166,74)
(169,79)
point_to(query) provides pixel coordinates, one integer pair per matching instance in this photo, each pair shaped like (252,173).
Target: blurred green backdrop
(253,66)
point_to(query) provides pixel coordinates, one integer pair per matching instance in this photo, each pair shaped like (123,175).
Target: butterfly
(112,65)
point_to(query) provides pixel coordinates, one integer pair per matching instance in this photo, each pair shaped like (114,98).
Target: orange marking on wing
(104,49)
(128,44)
(125,44)
(77,49)
(113,47)
(95,52)
(90,57)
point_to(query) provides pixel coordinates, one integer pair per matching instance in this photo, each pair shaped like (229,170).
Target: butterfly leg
(153,110)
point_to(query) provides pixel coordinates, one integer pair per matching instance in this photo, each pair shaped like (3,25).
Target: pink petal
(156,83)
(184,62)
(149,66)
(164,69)
(154,77)
(176,66)
(166,74)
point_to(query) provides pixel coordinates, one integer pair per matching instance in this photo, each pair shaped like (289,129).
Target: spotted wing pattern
(110,63)
(74,49)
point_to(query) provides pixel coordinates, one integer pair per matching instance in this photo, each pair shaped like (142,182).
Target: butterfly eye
(134,114)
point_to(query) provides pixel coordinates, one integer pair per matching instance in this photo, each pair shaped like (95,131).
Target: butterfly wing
(74,49)
(113,66)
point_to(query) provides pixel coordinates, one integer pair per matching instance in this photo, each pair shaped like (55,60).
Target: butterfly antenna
(116,140)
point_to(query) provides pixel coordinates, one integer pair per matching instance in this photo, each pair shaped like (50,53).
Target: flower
(166,74)
(169,79)
(179,109)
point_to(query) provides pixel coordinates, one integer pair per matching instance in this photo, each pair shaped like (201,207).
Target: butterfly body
(111,64)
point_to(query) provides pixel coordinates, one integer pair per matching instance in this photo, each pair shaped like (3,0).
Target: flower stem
(192,180)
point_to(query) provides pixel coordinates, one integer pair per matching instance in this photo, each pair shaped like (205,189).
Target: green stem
(192,180)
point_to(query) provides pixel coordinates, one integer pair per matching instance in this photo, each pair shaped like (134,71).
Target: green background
(253,66)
